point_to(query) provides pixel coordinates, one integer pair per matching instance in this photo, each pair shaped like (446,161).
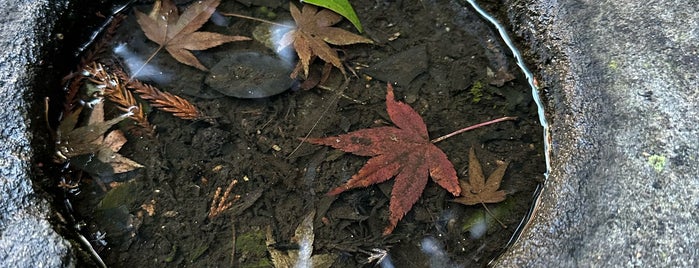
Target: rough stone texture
(623,93)
(26,237)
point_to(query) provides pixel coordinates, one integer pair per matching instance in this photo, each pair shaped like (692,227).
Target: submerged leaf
(404,151)
(477,189)
(90,139)
(178,34)
(312,35)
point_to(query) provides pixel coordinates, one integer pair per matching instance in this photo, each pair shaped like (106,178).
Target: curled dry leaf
(312,35)
(404,151)
(178,33)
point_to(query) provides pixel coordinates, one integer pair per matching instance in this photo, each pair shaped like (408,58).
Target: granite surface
(26,237)
(622,85)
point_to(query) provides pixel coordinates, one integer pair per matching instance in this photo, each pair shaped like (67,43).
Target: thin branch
(338,94)
(493,215)
(472,128)
(165,101)
(219,205)
(256,19)
(116,92)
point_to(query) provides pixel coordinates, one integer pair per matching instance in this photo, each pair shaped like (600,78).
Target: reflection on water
(435,250)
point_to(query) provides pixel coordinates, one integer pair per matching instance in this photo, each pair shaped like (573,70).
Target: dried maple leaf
(73,141)
(178,33)
(312,34)
(405,152)
(90,139)
(477,189)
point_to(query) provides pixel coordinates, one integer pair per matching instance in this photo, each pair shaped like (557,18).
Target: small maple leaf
(90,139)
(313,33)
(405,152)
(178,33)
(477,189)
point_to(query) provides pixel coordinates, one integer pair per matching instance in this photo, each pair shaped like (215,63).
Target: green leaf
(341,7)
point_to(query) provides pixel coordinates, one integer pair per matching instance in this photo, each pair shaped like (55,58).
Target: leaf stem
(134,74)
(506,118)
(493,215)
(256,19)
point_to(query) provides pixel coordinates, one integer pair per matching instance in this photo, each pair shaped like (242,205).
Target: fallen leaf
(477,189)
(342,7)
(312,34)
(303,256)
(178,33)
(90,139)
(404,151)
(108,154)
(72,141)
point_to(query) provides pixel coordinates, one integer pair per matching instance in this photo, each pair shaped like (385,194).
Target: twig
(493,215)
(161,100)
(473,127)
(233,245)
(338,93)
(219,205)
(76,78)
(114,91)
(256,19)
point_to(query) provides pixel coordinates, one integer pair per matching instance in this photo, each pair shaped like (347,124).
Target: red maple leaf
(404,151)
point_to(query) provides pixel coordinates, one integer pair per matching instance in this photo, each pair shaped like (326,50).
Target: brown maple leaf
(312,34)
(404,151)
(477,189)
(90,139)
(178,33)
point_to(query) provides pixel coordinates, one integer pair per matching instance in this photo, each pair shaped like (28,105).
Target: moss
(657,162)
(252,245)
(613,65)
(266,13)
(500,210)
(262,263)
(477,91)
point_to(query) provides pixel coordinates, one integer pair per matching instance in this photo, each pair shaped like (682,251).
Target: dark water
(450,67)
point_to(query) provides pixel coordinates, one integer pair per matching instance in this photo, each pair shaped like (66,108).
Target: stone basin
(622,94)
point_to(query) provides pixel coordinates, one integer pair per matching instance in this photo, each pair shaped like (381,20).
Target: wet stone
(250,75)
